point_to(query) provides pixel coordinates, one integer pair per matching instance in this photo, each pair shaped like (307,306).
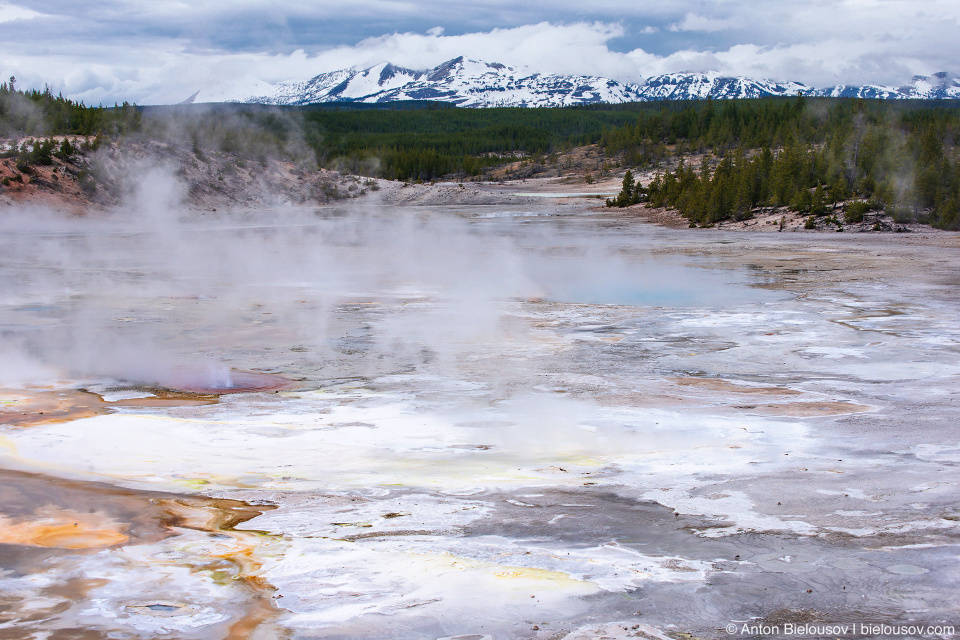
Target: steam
(152,291)
(154,294)
(255,135)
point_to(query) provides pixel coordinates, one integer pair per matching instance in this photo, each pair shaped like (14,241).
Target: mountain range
(474,83)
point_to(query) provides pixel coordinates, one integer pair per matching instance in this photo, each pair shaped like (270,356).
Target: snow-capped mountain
(464,82)
(936,87)
(473,83)
(697,86)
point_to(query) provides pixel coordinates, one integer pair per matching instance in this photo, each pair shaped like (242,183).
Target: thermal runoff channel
(480,422)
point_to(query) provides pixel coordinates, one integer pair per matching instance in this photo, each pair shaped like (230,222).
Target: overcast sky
(162,51)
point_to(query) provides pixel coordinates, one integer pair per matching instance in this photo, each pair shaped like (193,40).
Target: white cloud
(573,48)
(162,52)
(12,12)
(693,22)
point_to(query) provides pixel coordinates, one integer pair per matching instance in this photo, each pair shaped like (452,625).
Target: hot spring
(405,423)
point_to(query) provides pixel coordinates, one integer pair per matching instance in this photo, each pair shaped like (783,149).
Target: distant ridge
(473,83)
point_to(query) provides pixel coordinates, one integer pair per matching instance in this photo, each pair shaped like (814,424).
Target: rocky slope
(117,174)
(110,175)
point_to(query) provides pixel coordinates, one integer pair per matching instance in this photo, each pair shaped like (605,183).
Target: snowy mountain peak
(687,86)
(475,83)
(939,86)
(389,71)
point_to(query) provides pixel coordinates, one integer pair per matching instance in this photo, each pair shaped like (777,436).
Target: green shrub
(854,211)
(66,150)
(852,217)
(947,214)
(87,183)
(900,215)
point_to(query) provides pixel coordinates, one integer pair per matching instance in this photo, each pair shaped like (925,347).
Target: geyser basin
(112,563)
(500,426)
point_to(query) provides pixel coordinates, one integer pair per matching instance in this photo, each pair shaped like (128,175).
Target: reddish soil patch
(234,381)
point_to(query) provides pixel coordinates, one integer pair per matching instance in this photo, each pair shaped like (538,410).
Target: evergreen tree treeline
(39,113)
(903,159)
(429,143)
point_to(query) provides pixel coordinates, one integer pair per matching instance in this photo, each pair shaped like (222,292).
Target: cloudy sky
(162,51)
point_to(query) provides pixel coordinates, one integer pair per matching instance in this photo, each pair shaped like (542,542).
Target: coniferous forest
(873,156)
(39,113)
(715,160)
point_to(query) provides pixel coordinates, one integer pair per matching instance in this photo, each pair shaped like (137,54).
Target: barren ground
(509,416)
